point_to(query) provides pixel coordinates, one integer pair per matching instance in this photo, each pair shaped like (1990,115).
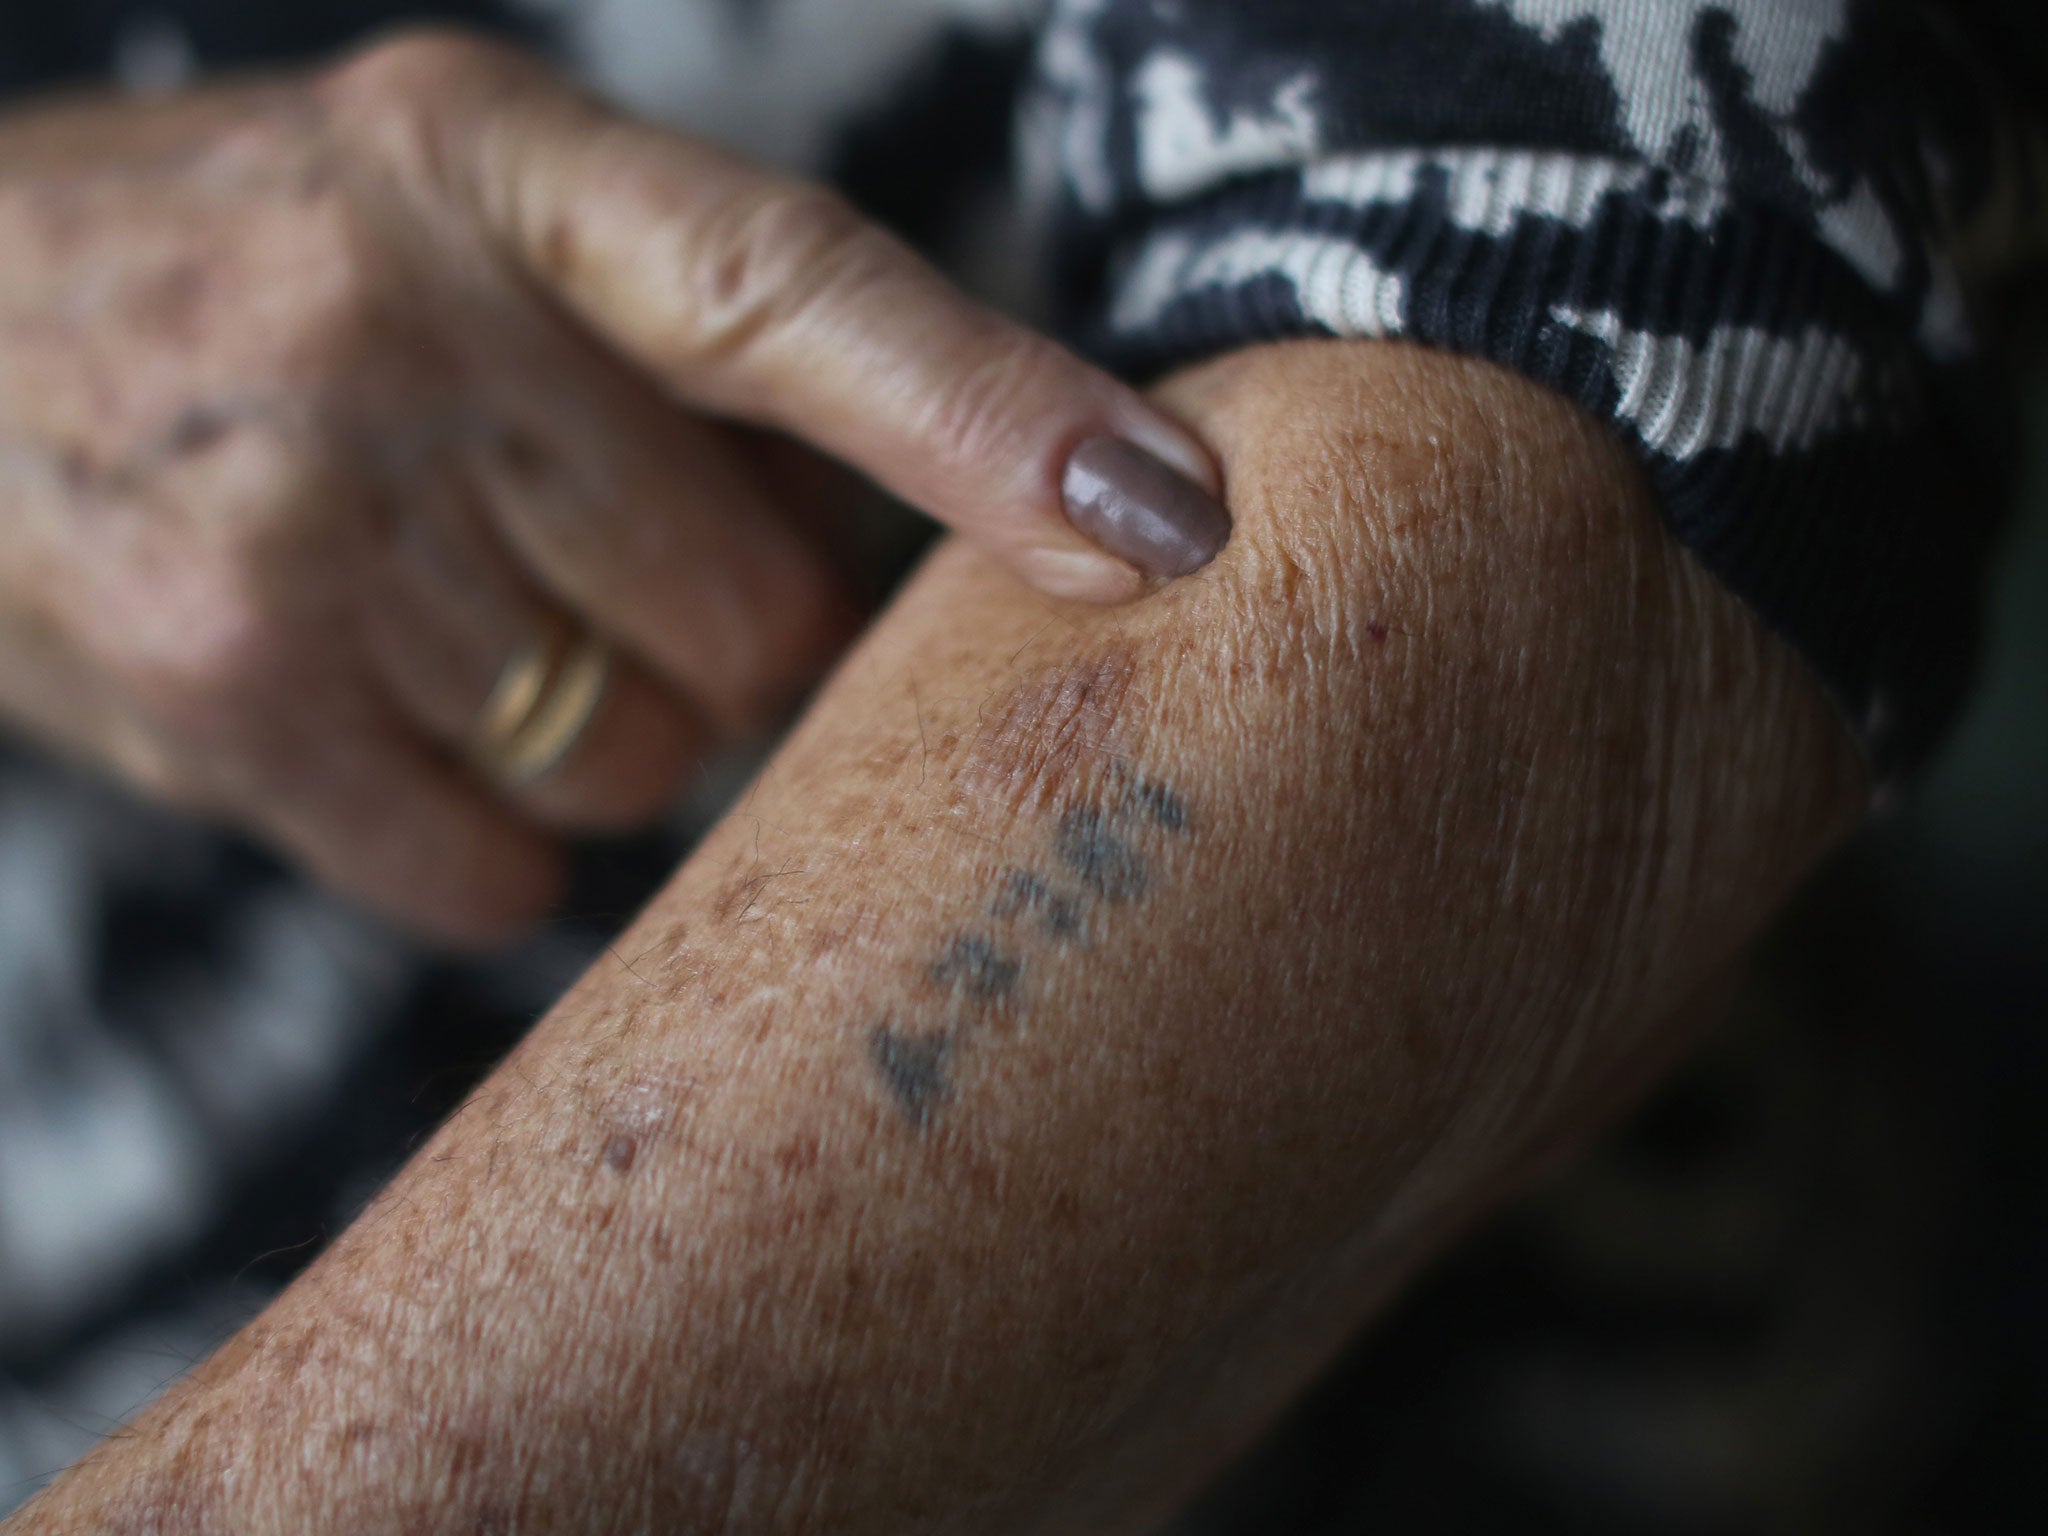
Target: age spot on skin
(524,456)
(913,1067)
(628,1118)
(197,428)
(797,1157)
(170,304)
(75,468)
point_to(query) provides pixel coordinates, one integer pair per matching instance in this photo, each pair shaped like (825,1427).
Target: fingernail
(1135,506)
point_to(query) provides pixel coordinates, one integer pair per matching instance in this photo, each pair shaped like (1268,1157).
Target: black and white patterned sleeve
(1755,235)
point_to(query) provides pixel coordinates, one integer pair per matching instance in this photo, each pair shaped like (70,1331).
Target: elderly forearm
(1076,994)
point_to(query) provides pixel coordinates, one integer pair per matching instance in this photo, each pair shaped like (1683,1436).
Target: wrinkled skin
(317,395)
(863,1189)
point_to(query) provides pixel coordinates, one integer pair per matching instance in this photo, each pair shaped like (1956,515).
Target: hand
(334,412)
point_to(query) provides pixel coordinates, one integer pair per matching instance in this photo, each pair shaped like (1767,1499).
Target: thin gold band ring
(542,703)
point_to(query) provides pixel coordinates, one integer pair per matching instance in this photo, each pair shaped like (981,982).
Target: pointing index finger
(774,301)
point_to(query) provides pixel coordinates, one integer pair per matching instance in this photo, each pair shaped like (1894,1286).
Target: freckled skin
(891,1259)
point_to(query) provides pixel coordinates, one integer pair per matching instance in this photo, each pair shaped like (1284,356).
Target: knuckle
(268,485)
(408,93)
(341,307)
(143,757)
(306,282)
(208,675)
(417,67)
(769,252)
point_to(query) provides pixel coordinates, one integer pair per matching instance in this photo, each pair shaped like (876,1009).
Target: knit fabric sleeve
(1759,237)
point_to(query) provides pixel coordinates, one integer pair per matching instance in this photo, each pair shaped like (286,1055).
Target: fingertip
(1079,575)
(1131,503)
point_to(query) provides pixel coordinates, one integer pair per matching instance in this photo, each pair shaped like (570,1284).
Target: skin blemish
(197,428)
(797,1156)
(523,454)
(75,468)
(170,304)
(1097,857)
(637,1115)
(1034,742)
(973,966)
(913,1067)
(355,1437)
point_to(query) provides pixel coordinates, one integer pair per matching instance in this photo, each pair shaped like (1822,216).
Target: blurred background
(1804,1289)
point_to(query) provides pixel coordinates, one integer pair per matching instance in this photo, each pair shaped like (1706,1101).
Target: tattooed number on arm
(1099,862)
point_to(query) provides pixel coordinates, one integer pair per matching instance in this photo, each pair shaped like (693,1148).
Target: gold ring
(542,703)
